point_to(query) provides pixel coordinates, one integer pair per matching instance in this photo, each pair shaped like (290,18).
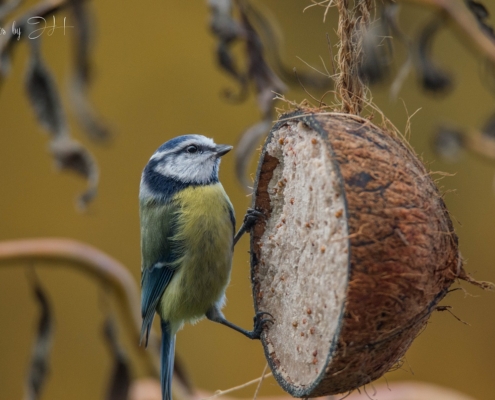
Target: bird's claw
(252,216)
(250,219)
(259,323)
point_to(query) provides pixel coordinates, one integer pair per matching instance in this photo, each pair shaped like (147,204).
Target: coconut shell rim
(309,119)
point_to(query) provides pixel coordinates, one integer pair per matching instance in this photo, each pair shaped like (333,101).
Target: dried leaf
(481,14)
(87,117)
(227,62)
(448,143)
(82,41)
(228,31)
(39,367)
(120,380)
(489,128)
(432,77)
(258,72)
(272,43)
(478,9)
(222,23)
(71,155)
(68,153)
(43,93)
(265,80)
(44,96)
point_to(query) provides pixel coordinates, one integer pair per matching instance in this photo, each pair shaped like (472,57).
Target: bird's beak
(222,149)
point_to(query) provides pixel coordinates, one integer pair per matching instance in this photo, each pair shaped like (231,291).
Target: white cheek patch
(188,171)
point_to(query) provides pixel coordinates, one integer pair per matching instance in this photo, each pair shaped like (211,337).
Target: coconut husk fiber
(356,251)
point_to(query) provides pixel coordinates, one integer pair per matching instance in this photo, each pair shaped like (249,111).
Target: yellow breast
(203,272)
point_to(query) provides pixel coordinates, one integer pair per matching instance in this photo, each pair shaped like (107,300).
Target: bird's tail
(167,359)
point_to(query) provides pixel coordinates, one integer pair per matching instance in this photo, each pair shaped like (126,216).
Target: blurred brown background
(156,78)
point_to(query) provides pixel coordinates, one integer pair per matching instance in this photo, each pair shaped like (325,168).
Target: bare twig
(223,392)
(95,263)
(260,383)
(481,144)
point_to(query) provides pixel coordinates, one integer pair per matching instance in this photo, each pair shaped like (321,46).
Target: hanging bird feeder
(355,254)
(357,248)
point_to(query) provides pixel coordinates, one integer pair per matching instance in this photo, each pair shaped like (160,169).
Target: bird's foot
(252,216)
(259,323)
(250,219)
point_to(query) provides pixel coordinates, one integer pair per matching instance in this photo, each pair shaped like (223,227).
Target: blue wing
(232,216)
(158,226)
(154,281)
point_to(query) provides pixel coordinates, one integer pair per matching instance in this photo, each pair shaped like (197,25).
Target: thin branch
(95,263)
(480,144)
(223,392)
(261,381)
(313,68)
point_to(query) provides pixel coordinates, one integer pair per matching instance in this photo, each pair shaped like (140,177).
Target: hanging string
(353,22)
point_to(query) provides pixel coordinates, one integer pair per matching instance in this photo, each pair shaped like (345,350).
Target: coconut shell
(356,251)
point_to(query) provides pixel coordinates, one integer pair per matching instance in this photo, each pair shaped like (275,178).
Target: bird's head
(183,161)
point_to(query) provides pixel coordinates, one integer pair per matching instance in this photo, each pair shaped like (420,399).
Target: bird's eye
(191,149)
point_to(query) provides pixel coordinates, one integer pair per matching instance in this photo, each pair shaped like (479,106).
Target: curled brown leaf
(40,356)
(72,156)
(481,14)
(120,379)
(433,78)
(92,124)
(43,93)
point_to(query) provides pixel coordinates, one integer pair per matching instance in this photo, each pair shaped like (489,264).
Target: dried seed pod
(390,251)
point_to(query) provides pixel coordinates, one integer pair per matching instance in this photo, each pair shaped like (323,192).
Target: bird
(187,242)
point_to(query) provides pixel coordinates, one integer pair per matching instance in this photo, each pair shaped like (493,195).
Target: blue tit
(187,241)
